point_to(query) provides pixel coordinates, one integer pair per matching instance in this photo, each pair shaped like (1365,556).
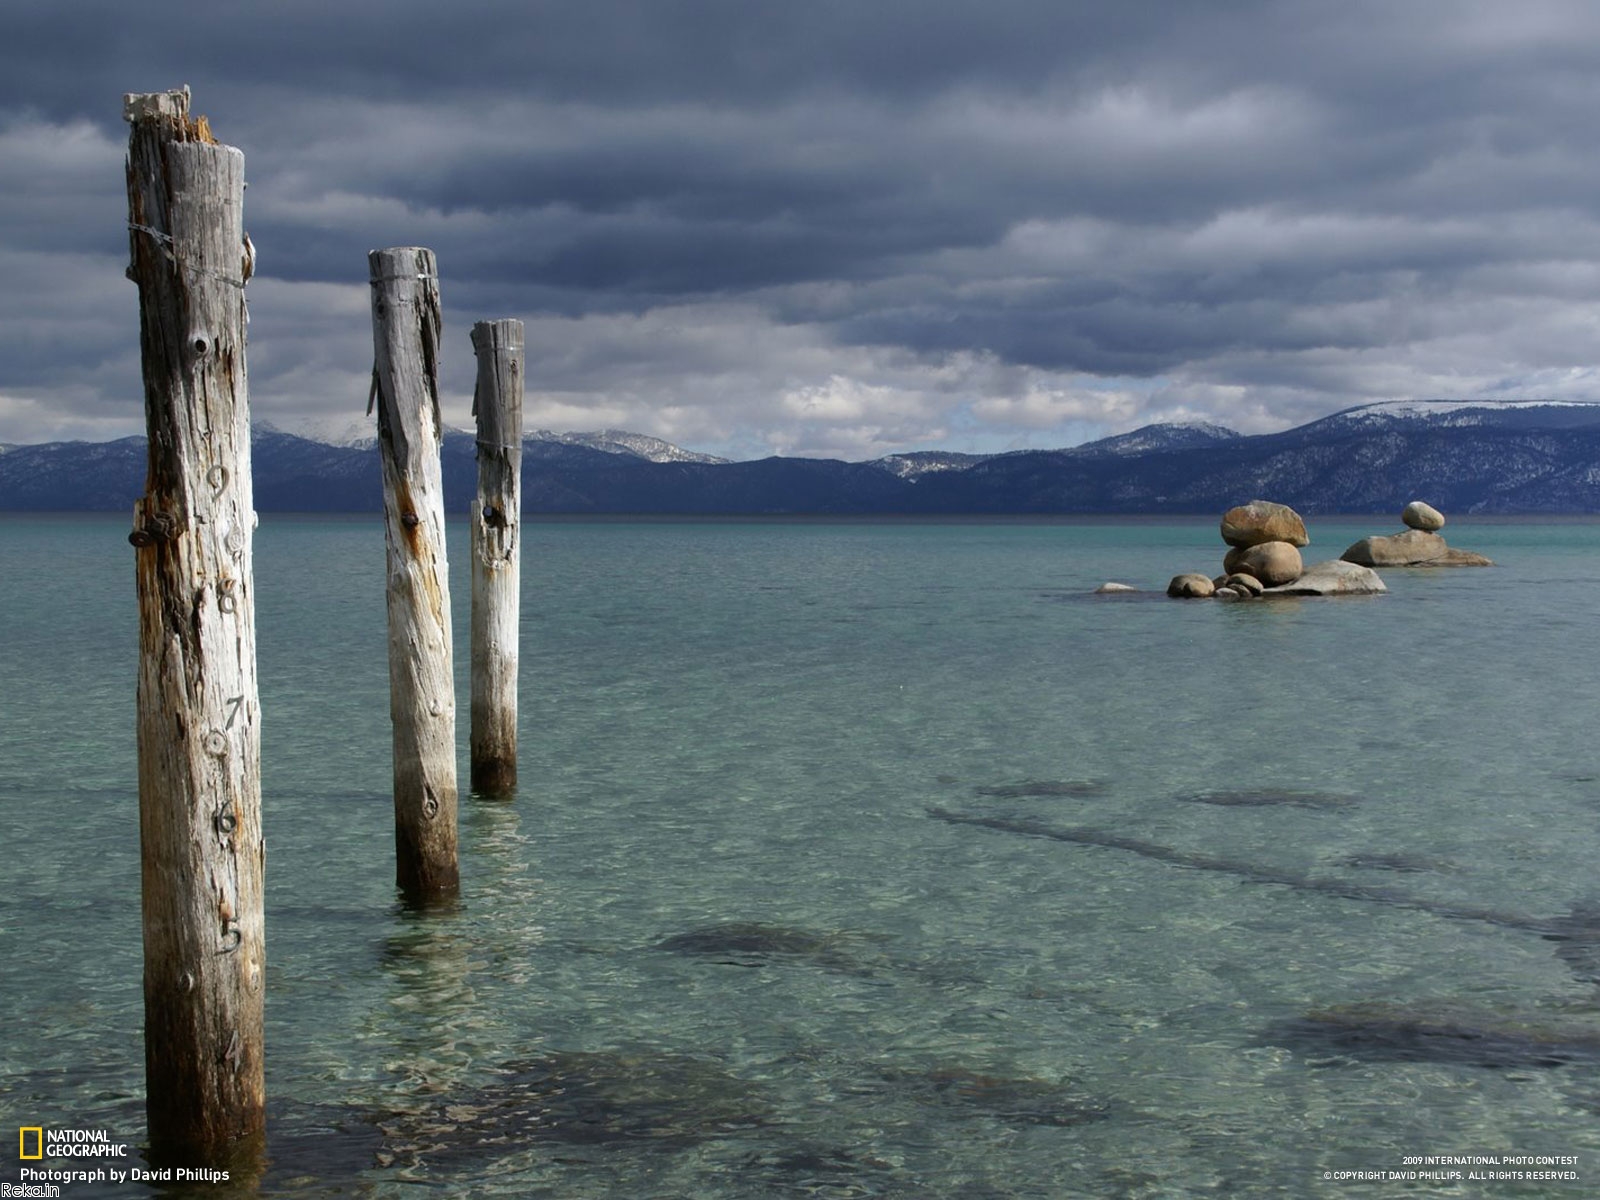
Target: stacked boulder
(1263,559)
(1264,540)
(1420,545)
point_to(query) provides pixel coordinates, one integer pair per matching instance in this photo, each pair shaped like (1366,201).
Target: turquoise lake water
(863,859)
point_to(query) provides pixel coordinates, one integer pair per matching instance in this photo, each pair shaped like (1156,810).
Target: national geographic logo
(35,1142)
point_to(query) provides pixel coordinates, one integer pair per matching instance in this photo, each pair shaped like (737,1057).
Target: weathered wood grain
(406,321)
(496,554)
(199,742)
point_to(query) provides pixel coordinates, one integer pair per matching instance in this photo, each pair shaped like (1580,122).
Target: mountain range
(1527,456)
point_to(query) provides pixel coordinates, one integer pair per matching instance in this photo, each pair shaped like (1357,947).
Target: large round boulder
(1423,516)
(1190,586)
(1263,521)
(1273,563)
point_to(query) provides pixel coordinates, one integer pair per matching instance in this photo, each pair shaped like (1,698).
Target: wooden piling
(406,322)
(496,550)
(202,854)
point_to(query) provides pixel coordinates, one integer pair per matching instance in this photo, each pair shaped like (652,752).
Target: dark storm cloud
(621,53)
(823,225)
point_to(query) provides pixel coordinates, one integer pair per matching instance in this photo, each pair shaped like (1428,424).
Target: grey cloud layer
(849,228)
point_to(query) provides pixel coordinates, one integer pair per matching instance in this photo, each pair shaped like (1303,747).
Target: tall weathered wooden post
(406,322)
(496,551)
(198,712)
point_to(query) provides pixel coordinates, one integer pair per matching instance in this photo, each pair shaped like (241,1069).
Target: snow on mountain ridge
(361,434)
(1452,412)
(1171,435)
(620,441)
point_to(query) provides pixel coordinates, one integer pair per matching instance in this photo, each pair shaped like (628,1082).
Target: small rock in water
(1247,583)
(1111,589)
(1190,586)
(1419,515)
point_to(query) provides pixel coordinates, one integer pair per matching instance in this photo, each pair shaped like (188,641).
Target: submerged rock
(1114,589)
(1577,938)
(578,1099)
(813,1169)
(1382,1032)
(1418,515)
(1458,558)
(1333,578)
(1263,521)
(752,944)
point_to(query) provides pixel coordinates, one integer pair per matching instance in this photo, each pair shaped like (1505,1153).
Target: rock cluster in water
(1419,545)
(1263,559)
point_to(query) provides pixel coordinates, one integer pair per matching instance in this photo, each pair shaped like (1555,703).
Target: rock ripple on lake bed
(1273,797)
(1382,861)
(1043,787)
(1010,1100)
(576,1098)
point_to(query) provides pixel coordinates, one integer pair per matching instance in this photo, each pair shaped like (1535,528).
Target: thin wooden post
(202,855)
(406,322)
(496,549)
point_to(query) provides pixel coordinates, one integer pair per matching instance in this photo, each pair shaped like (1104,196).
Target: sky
(838,229)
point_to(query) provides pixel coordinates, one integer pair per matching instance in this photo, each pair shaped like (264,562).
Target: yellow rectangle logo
(38,1141)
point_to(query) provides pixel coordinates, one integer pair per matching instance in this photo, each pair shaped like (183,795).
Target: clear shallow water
(1284,911)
